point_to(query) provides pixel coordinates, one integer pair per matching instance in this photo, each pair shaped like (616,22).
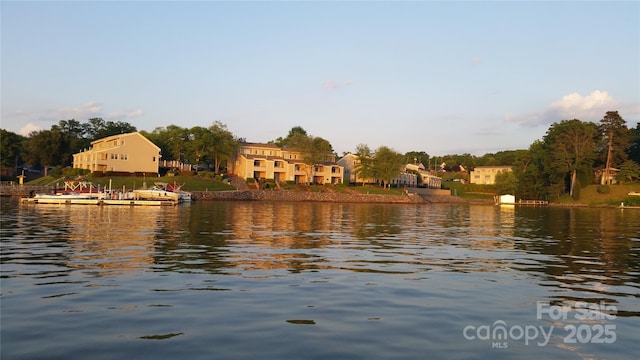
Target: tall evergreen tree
(614,141)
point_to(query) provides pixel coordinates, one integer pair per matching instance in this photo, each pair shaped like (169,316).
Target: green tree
(633,152)
(224,144)
(417,157)
(615,139)
(533,181)
(294,133)
(45,148)
(387,164)
(177,139)
(98,128)
(314,150)
(629,171)
(10,148)
(509,157)
(572,145)
(73,139)
(506,182)
(364,165)
(199,145)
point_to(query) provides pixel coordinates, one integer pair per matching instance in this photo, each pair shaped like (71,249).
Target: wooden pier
(532,202)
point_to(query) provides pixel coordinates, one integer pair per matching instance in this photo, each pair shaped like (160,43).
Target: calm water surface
(237,280)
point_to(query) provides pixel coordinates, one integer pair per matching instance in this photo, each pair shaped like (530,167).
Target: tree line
(570,155)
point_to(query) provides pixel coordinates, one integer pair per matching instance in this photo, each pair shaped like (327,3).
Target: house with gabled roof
(486,175)
(129,153)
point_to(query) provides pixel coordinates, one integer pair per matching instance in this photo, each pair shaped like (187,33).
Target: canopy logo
(499,333)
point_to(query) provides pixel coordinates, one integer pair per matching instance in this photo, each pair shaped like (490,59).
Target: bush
(604,189)
(207,174)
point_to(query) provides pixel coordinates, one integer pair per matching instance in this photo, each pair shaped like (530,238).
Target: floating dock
(100,202)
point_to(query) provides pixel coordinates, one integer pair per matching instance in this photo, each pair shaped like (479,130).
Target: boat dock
(533,202)
(99,202)
(508,199)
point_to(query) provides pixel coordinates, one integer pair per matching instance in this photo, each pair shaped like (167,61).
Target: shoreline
(299,196)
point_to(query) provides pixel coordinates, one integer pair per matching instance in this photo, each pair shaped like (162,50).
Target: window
(114,156)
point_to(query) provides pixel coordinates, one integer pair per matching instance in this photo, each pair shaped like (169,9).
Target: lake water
(263,280)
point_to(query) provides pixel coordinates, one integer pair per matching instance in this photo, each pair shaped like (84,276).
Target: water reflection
(240,278)
(111,240)
(587,250)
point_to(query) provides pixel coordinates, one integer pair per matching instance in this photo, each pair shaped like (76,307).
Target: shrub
(604,189)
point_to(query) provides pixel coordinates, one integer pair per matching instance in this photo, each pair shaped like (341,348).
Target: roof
(271,146)
(125,135)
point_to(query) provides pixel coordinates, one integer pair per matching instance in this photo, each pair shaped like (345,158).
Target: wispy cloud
(334,85)
(591,107)
(27,121)
(28,129)
(121,115)
(88,110)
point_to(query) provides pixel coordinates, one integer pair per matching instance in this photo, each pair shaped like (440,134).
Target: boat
(66,195)
(73,189)
(184,196)
(163,191)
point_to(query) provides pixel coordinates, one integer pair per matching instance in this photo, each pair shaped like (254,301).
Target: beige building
(486,175)
(350,163)
(268,161)
(428,179)
(122,153)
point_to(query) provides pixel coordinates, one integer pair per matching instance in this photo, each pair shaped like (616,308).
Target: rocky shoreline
(299,196)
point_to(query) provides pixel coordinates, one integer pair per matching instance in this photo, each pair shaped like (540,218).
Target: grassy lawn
(589,195)
(345,189)
(468,192)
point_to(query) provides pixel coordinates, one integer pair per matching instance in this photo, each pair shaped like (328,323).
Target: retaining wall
(272,195)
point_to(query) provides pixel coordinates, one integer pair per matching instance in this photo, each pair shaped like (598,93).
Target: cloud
(28,129)
(476,61)
(88,110)
(120,115)
(330,84)
(26,121)
(591,107)
(333,85)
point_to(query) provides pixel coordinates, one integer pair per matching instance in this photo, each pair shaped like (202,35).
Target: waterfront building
(123,153)
(486,175)
(269,161)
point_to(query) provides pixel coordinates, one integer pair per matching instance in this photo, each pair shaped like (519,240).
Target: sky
(445,78)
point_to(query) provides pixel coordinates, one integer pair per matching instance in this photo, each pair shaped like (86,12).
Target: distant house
(486,175)
(268,161)
(350,163)
(428,179)
(407,178)
(130,153)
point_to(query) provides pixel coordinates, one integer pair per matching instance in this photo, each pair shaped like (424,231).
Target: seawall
(272,195)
